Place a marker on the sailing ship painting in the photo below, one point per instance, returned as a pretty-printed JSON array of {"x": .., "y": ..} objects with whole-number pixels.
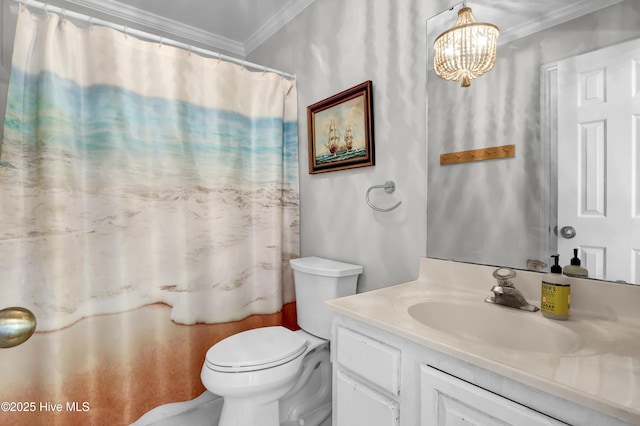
[
  {"x": 341, "y": 131},
  {"x": 341, "y": 142},
  {"x": 333, "y": 142},
  {"x": 337, "y": 148},
  {"x": 348, "y": 138}
]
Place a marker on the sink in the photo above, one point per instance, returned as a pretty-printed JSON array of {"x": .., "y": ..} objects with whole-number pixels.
[{"x": 496, "y": 326}]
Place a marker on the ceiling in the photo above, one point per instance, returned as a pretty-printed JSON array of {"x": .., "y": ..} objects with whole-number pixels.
[
  {"x": 234, "y": 27},
  {"x": 518, "y": 18},
  {"x": 237, "y": 27}
]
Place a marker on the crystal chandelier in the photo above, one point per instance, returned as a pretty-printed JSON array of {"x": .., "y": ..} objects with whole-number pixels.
[{"x": 467, "y": 50}]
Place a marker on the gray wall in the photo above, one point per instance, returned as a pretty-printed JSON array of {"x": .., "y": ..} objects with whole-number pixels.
[
  {"x": 7, "y": 33},
  {"x": 334, "y": 45}
]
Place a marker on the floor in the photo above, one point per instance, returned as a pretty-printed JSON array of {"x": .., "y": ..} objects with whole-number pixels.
[{"x": 201, "y": 411}]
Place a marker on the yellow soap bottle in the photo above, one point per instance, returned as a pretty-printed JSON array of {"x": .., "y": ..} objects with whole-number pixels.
[{"x": 556, "y": 293}]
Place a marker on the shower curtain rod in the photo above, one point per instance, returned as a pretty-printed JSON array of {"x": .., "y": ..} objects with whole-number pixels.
[{"x": 148, "y": 36}]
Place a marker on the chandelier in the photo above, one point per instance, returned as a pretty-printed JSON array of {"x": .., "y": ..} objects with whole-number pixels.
[{"x": 465, "y": 51}]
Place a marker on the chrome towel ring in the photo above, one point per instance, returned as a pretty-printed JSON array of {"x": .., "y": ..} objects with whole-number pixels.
[{"x": 389, "y": 186}]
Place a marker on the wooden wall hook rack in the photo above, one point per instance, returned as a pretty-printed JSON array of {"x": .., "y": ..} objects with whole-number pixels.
[{"x": 490, "y": 153}]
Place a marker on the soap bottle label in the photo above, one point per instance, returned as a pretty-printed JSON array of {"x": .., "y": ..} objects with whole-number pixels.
[{"x": 555, "y": 299}]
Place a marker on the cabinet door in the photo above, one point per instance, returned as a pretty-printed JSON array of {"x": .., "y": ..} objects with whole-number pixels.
[
  {"x": 357, "y": 404},
  {"x": 448, "y": 401}
]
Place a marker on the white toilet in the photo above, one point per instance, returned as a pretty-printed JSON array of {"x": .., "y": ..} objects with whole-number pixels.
[{"x": 273, "y": 376}]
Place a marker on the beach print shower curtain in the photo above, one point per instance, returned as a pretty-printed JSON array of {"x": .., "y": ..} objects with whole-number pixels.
[{"x": 134, "y": 173}]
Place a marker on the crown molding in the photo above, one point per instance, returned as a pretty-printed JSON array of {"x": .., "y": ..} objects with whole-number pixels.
[
  {"x": 214, "y": 41},
  {"x": 552, "y": 18},
  {"x": 160, "y": 23},
  {"x": 279, "y": 20}
]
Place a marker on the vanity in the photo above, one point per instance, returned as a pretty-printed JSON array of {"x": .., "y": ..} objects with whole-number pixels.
[{"x": 432, "y": 352}]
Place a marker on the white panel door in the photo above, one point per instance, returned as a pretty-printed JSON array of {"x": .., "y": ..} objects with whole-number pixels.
[
  {"x": 598, "y": 160},
  {"x": 449, "y": 401}
]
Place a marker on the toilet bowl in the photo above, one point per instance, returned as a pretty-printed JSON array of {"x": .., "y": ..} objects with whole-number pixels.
[{"x": 273, "y": 376}]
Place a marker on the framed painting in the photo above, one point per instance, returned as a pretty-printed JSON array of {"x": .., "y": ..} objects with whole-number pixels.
[{"x": 341, "y": 130}]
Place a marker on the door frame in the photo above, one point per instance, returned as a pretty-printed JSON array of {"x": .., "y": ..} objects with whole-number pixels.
[{"x": 548, "y": 162}]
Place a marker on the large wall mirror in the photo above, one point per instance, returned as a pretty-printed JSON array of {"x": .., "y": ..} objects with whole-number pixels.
[{"x": 565, "y": 90}]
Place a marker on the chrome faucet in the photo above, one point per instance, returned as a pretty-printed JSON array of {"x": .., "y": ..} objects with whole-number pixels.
[{"x": 505, "y": 293}]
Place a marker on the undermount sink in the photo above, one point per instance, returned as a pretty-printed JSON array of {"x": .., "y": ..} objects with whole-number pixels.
[{"x": 496, "y": 326}]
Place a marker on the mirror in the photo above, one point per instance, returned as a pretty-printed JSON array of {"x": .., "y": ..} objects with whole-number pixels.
[{"x": 503, "y": 211}]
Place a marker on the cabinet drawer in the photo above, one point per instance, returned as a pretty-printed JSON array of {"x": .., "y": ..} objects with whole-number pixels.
[
  {"x": 377, "y": 362},
  {"x": 357, "y": 404}
]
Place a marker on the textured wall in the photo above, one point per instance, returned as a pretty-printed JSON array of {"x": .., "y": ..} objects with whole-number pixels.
[
  {"x": 334, "y": 45},
  {"x": 7, "y": 32}
]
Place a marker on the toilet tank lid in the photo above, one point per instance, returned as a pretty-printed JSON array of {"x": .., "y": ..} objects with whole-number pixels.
[{"x": 325, "y": 267}]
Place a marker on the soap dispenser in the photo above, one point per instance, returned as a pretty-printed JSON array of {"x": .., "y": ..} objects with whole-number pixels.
[
  {"x": 574, "y": 269},
  {"x": 556, "y": 293}
]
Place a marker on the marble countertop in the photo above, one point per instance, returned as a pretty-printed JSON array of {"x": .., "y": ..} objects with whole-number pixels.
[{"x": 602, "y": 372}]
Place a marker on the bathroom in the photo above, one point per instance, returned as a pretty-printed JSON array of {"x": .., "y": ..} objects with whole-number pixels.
[{"x": 331, "y": 45}]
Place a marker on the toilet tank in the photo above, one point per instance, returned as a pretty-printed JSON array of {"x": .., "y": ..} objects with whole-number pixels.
[{"x": 316, "y": 281}]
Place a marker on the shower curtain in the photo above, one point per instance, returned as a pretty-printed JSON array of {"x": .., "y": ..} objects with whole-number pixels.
[{"x": 134, "y": 173}]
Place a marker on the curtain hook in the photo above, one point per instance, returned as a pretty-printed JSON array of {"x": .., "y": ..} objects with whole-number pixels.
[
  {"x": 190, "y": 47},
  {"x": 264, "y": 70},
  {"x": 64, "y": 15},
  {"x": 126, "y": 28},
  {"x": 219, "y": 57},
  {"x": 161, "y": 39}
]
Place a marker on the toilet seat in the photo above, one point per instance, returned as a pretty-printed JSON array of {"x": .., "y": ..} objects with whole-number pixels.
[{"x": 255, "y": 349}]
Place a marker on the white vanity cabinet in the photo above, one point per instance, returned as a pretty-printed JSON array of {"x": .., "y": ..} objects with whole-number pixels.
[
  {"x": 383, "y": 379},
  {"x": 447, "y": 401}
]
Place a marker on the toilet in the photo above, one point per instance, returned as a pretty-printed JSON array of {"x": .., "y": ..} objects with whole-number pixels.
[{"x": 273, "y": 376}]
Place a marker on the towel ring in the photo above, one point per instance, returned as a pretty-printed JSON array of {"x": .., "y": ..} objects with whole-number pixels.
[{"x": 389, "y": 186}]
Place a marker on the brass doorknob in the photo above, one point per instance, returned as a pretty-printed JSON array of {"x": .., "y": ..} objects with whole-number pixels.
[{"x": 16, "y": 326}]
